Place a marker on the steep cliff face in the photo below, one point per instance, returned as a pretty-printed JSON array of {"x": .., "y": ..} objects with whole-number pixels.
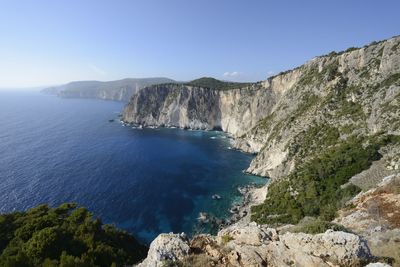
[
  {"x": 286, "y": 118},
  {"x": 351, "y": 93},
  {"x": 120, "y": 90},
  {"x": 233, "y": 111}
]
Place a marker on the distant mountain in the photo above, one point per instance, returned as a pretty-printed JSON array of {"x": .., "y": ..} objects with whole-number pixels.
[{"x": 119, "y": 90}]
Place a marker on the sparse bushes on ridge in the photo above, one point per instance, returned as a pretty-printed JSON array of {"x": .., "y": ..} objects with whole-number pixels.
[{"x": 212, "y": 83}]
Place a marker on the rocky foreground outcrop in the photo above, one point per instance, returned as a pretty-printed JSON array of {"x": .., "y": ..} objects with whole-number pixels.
[
  {"x": 166, "y": 247},
  {"x": 375, "y": 216},
  {"x": 255, "y": 245}
]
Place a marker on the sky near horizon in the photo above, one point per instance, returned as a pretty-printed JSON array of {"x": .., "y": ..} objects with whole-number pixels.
[{"x": 46, "y": 42}]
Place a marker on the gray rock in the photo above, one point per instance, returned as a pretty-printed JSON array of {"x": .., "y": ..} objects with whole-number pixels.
[
  {"x": 256, "y": 245},
  {"x": 338, "y": 248},
  {"x": 377, "y": 264},
  {"x": 166, "y": 247}
]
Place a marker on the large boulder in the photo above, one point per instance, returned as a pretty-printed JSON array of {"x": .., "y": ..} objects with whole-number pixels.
[
  {"x": 333, "y": 247},
  {"x": 172, "y": 247}
]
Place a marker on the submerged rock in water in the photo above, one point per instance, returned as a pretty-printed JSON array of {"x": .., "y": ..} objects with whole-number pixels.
[
  {"x": 235, "y": 209},
  {"x": 216, "y": 197},
  {"x": 203, "y": 217}
]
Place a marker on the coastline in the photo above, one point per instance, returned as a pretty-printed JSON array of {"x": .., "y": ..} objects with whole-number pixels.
[
  {"x": 241, "y": 213},
  {"x": 252, "y": 194}
]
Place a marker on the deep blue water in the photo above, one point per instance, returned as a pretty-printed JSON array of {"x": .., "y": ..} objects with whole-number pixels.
[{"x": 148, "y": 181}]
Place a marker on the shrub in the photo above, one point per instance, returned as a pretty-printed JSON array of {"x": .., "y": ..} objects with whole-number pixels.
[
  {"x": 226, "y": 239},
  {"x": 318, "y": 226},
  {"x": 64, "y": 236}
]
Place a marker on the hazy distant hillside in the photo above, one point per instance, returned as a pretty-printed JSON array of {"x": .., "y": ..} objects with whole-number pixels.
[{"x": 120, "y": 90}]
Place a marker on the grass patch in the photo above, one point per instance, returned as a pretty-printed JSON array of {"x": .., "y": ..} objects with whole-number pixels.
[
  {"x": 395, "y": 47},
  {"x": 328, "y": 73},
  {"x": 317, "y": 226},
  {"x": 392, "y": 79},
  {"x": 308, "y": 101},
  {"x": 196, "y": 260},
  {"x": 309, "y": 77},
  {"x": 226, "y": 238},
  {"x": 347, "y": 129},
  {"x": 339, "y": 100}
]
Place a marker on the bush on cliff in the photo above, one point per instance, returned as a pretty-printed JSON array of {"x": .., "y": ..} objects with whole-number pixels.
[
  {"x": 64, "y": 236},
  {"x": 316, "y": 226}
]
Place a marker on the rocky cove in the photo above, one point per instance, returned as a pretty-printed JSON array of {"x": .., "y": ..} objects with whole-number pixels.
[
  {"x": 251, "y": 194},
  {"x": 256, "y": 114},
  {"x": 344, "y": 104}
]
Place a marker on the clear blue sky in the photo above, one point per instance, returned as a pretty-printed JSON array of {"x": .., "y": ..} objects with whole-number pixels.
[{"x": 53, "y": 42}]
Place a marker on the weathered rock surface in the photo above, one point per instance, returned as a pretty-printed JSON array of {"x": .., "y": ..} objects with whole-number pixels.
[
  {"x": 375, "y": 215},
  {"x": 377, "y": 264},
  {"x": 234, "y": 111},
  {"x": 165, "y": 247},
  {"x": 255, "y": 245}
]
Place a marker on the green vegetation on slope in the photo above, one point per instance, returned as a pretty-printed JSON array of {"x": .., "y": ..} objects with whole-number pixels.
[
  {"x": 313, "y": 139},
  {"x": 212, "y": 83},
  {"x": 316, "y": 226},
  {"x": 316, "y": 188},
  {"x": 64, "y": 236},
  {"x": 330, "y": 148}
]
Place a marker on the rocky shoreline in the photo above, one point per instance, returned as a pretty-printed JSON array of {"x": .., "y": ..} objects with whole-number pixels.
[
  {"x": 252, "y": 195},
  {"x": 241, "y": 212}
]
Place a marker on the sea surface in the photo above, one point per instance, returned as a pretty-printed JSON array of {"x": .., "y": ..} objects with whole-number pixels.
[{"x": 147, "y": 181}]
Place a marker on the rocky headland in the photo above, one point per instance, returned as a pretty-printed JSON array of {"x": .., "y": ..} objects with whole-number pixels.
[
  {"x": 326, "y": 133},
  {"x": 119, "y": 90}
]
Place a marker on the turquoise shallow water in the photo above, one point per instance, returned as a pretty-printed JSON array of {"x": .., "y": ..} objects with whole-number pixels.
[{"x": 148, "y": 181}]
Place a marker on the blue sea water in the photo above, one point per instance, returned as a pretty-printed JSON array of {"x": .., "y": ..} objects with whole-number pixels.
[{"x": 55, "y": 150}]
